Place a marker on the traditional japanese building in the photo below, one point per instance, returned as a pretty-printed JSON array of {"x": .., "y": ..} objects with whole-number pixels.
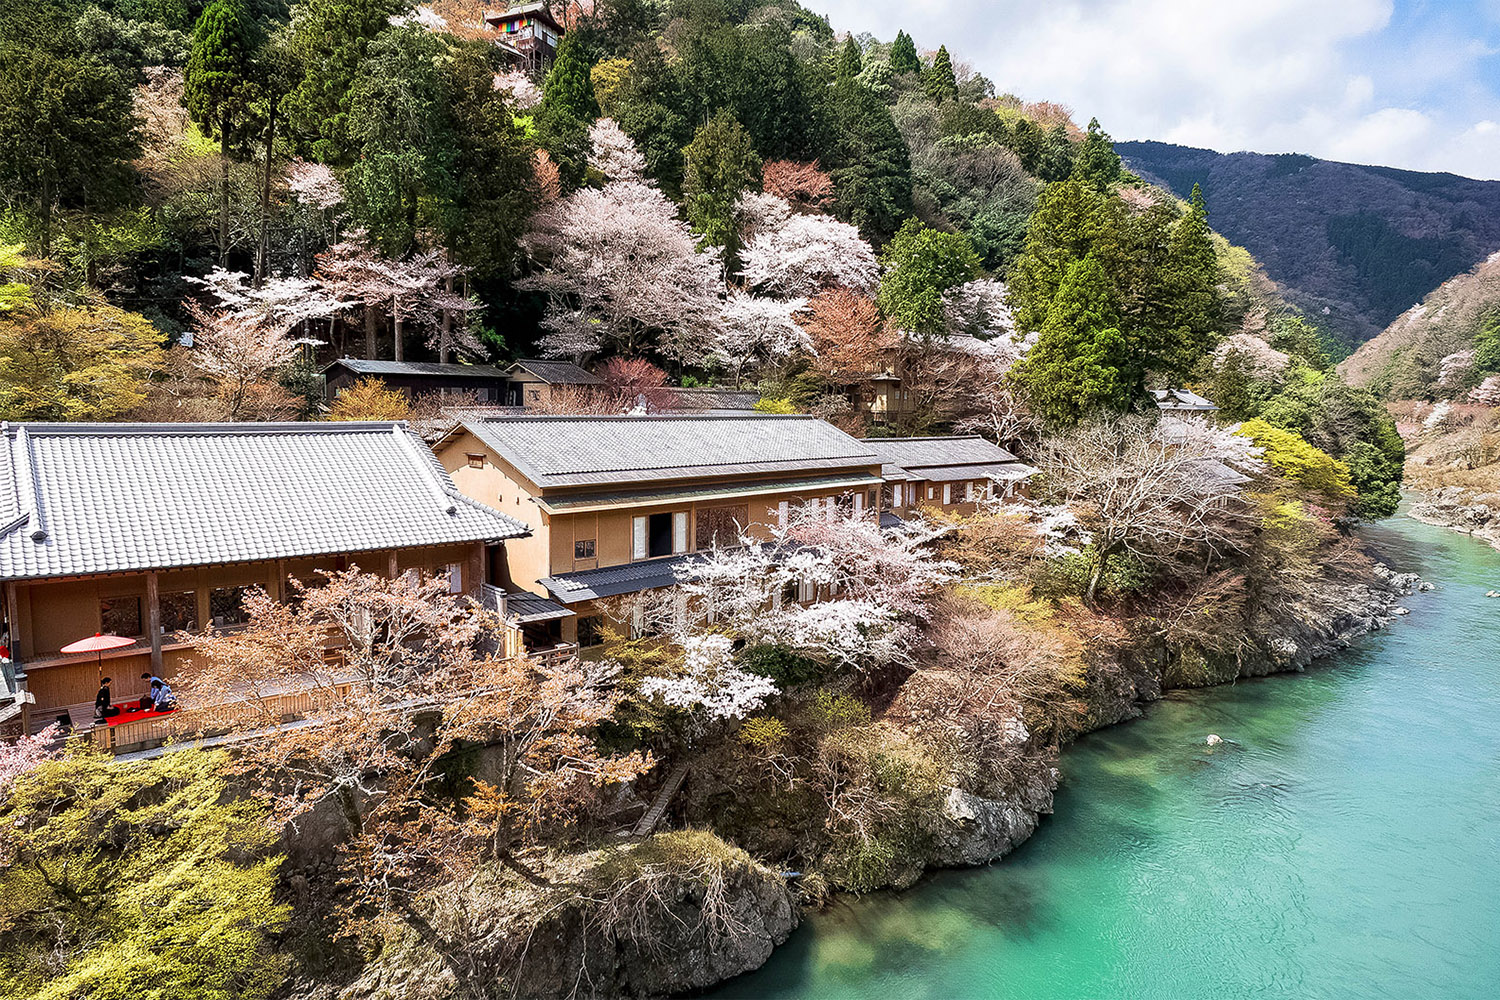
[
  {"x": 528, "y": 34},
  {"x": 454, "y": 383},
  {"x": 951, "y": 473},
  {"x": 152, "y": 532},
  {"x": 615, "y": 504}
]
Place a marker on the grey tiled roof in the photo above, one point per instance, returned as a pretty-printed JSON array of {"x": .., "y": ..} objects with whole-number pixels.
[
  {"x": 425, "y": 369},
  {"x": 1182, "y": 399},
  {"x": 564, "y": 451},
  {"x": 524, "y": 607},
  {"x": 104, "y": 498},
  {"x": 742, "y": 400},
  {"x": 735, "y": 488},
  {"x": 946, "y": 459},
  {"x": 980, "y": 470},
  {"x": 557, "y": 372},
  {"x": 611, "y": 581},
  {"x": 916, "y": 452}
]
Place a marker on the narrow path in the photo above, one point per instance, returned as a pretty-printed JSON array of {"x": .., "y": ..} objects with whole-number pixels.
[{"x": 663, "y": 799}]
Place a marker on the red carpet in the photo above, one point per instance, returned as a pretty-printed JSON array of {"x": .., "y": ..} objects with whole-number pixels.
[{"x": 124, "y": 716}]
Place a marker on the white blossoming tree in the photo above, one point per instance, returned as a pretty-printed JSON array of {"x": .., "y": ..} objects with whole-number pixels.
[
  {"x": 800, "y": 255},
  {"x": 621, "y": 271},
  {"x": 710, "y": 681},
  {"x": 758, "y": 331},
  {"x": 613, "y": 154}
]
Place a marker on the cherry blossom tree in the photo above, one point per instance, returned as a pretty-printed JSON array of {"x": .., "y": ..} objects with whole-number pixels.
[
  {"x": 1261, "y": 360},
  {"x": 613, "y": 154},
  {"x": 709, "y": 680},
  {"x": 758, "y": 331},
  {"x": 26, "y": 753},
  {"x": 314, "y": 185},
  {"x": 621, "y": 271},
  {"x": 805, "y": 254},
  {"x": 237, "y": 353},
  {"x": 1486, "y": 393},
  {"x": 521, "y": 89}
]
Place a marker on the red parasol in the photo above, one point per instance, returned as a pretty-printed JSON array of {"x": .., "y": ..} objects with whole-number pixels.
[{"x": 98, "y": 643}]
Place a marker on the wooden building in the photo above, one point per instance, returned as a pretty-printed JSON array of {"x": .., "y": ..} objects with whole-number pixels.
[
  {"x": 952, "y": 473},
  {"x": 614, "y": 504},
  {"x": 154, "y": 531},
  {"x": 531, "y": 382},
  {"x": 528, "y": 34},
  {"x": 455, "y": 383}
]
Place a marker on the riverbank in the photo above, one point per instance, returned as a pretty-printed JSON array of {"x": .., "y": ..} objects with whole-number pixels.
[{"x": 1337, "y": 844}]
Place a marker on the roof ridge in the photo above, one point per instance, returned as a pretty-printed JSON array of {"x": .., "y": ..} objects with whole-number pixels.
[
  {"x": 195, "y": 429},
  {"x": 635, "y": 418}
]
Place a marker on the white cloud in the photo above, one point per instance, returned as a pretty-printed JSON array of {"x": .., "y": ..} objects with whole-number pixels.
[{"x": 1324, "y": 77}]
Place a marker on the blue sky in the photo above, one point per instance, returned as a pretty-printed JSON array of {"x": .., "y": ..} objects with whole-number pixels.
[{"x": 1408, "y": 84}]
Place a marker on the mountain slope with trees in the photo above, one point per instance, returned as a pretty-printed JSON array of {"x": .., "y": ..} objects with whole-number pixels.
[{"x": 1352, "y": 246}]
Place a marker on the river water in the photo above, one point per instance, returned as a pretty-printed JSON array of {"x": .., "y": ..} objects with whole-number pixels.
[{"x": 1343, "y": 841}]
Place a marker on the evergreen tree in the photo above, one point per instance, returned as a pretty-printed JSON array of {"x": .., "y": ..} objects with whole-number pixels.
[
  {"x": 67, "y": 128},
  {"x": 719, "y": 165},
  {"x": 942, "y": 85},
  {"x": 904, "y": 55},
  {"x": 398, "y": 115},
  {"x": 1081, "y": 361},
  {"x": 1071, "y": 220},
  {"x": 1190, "y": 282},
  {"x": 851, "y": 60},
  {"x": 218, "y": 86},
  {"x": 331, "y": 38},
  {"x": 567, "y": 110},
  {"x": 869, "y": 162},
  {"x": 921, "y": 264},
  {"x": 492, "y": 171},
  {"x": 1096, "y": 161}
]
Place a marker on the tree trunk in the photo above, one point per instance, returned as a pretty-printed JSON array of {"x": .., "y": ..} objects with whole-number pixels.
[
  {"x": 1096, "y": 574},
  {"x": 396, "y": 327},
  {"x": 447, "y": 325},
  {"x": 265, "y": 200},
  {"x": 224, "y": 190},
  {"x": 371, "y": 349}
]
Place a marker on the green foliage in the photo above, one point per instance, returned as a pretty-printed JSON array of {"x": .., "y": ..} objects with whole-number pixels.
[
  {"x": 719, "y": 165},
  {"x": 67, "y": 125},
  {"x": 1294, "y": 335},
  {"x": 904, "y": 54},
  {"x": 1096, "y": 162},
  {"x": 920, "y": 264},
  {"x": 763, "y": 734},
  {"x": 939, "y": 79},
  {"x": 331, "y": 38},
  {"x": 780, "y": 664},
  {"x": 1147, "y": 306},
  {"x": 130, "y": 45},
  {"x": 568, "y": 85},
  {"x": 1313, "y": 469},
  {"x": 1081, "y": 362},
  {"x": 829, "y": 712},
  {"x": 868, "y": 161},
  {"x": 218, "y": 84},
  {"x": 851, "y": 60},
  {"x": 1068, "y": 575},
  {"x": 142, "y": 880}
]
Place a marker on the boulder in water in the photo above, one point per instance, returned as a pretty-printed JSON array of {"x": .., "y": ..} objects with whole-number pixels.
[{"x": 1214, "y": 739}]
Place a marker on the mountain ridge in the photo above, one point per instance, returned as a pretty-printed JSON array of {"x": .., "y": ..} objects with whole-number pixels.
[{"x": 1352, "y": 245}]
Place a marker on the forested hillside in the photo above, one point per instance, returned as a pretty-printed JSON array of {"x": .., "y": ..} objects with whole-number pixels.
[{"x": 1353, "y": 246}]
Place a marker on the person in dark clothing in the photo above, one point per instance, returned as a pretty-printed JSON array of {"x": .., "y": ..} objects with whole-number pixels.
[
  {"x": 148, "y": 700},
  {"x": 162, "y": 697},
  {"x": 102, "y": 707}
]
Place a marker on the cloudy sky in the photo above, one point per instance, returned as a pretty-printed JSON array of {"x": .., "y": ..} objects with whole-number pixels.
[{"x": 1409, "y": 83}]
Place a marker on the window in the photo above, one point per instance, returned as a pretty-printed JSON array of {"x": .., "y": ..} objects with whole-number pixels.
[
  {"x": 120, "y": 616},
  {"x": 722, "y": 525},
  {"x": 969, "y": 491},
  {"x": 947, "y": 493},
  {"x": 590, "y": 631},
  {"x": 179, "y": 611},
  {"x": 533, "y": 395},
  {"x": 475, "y": 461},
  {"x": 583, "y": 548},
  {"x": 859, "y": 504},
  {"x": 844, "y": 503},
  {"x": 454, "y": 572},
  {"x": 226, "y": 606},
  {"x": 783, "y": 512},
  {"x": 929, "y": 492},
  {"x": 655, "y": 535},
  {"x": 872, "y": 499}
]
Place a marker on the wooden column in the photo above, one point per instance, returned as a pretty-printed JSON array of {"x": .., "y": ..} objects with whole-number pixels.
[
  {"x": 395, "y": 564},
  {"x": 278, "y": 592},
  {"x": 476, "y": 570},
  {"x": 153, "y": 620}
]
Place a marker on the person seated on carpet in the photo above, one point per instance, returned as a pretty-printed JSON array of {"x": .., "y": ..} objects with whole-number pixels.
[
  {"x": 102, "y": 707},
  {"x": 162, "y": 697},
  {"x": 148, "y": 700}
]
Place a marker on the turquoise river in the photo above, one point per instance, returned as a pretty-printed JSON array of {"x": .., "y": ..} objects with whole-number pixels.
[{"x": 1343, "y": 841}]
